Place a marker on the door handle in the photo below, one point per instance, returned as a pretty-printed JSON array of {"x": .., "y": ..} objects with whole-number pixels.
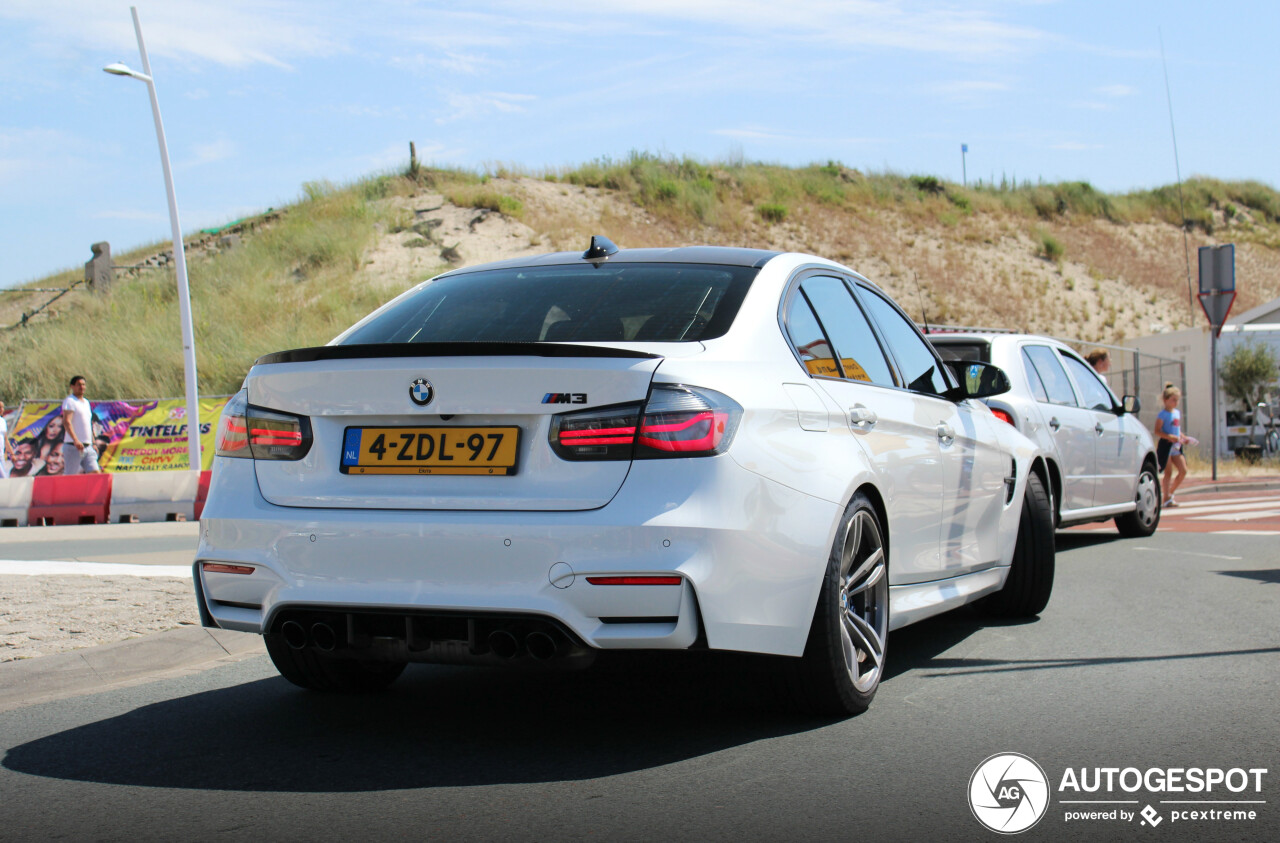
[
  {"x": 1055, "y": 424},
  {"x": 945, "y": 434},
  {"x": 1097, "y": 428},
  {"x": 862, "y": 419}
]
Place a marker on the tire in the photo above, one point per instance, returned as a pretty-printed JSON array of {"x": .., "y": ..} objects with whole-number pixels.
[
  {"x": 843, "y": 659},
  {"x": 311, "y": 669},
  {"x": 1030, "y": 582},
  {"x": 1143, "y": 521}
]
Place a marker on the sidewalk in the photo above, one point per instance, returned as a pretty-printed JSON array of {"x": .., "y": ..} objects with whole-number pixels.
[
  {"x": 161, "y": 655},
  {"x": 1194, "y": 485}
]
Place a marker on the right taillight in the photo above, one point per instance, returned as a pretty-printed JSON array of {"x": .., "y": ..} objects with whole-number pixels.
[
  {"x": 676, "y": 421},
  {"x": 1003, "y": 416},
  {"x": 251, "y": 432}
]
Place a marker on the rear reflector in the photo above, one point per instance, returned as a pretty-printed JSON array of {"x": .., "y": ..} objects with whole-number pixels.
[
  {"x": 220, "y": 568},
  {"x": 635, "y": 580}
]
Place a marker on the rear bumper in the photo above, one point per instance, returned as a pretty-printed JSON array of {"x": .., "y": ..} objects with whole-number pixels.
[{"x": 750, "y": 554}]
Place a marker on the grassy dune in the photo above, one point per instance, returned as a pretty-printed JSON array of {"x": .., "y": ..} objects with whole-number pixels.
[{"x": 298, "y": 281}]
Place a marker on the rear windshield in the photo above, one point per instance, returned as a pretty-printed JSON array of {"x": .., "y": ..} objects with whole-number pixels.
[
  {"x": 966, "y": 351},
  {"x": 627, "y": 302}
]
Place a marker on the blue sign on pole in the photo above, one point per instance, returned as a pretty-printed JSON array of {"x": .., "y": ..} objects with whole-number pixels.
[{"x": 964, "y": 147}]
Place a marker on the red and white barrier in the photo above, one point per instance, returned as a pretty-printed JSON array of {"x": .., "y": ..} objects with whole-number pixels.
[
  {"x": 74, "y": 499},
  {"x": 203, "y": 492},
  {"x": 154, "y": 495},
  {"x": 15, "y": 501},
  {"x": 99, "y": 498}
]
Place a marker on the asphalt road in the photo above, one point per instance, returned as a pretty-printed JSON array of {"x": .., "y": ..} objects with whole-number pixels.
[{"x": 1154, "y": 653}]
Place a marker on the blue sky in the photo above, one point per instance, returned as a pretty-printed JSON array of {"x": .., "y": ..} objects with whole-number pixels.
[{"x": 259, "y": 96}]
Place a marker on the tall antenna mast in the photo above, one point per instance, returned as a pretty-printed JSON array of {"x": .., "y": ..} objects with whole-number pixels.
[{"x": 1177, "y": 168}]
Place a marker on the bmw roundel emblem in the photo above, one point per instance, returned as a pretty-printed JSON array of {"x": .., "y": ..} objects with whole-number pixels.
[{"x": 421, "y": 392}]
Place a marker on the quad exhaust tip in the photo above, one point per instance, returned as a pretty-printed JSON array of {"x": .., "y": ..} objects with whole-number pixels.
[
  {"x": 323, "y": 636},
  {"x": 504, "y": 644},
  {"x": 294, "y": 635}
]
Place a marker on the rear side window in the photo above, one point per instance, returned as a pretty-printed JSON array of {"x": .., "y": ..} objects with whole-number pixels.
[
  {"x": 1045, "y": 362},
  {"x": 625, "y": 302},
  {"x": 1033, "y": 378},
  {"x": 966, "y": 351},
  {"x": 807, "y": 336},
  {"x": 856, "y": 346}
]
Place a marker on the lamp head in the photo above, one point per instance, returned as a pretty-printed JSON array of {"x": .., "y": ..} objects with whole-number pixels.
[{"x": 122, "y": 69}]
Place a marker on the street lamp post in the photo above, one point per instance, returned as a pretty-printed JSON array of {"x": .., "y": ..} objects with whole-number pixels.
[{"x": 179, "y": 255}]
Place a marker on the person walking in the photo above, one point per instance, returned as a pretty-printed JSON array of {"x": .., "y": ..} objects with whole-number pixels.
[
  {"x": 77, "y": 417},
  {"x": 7, "y": 459},
  {"x": 1169, "y": 449}
]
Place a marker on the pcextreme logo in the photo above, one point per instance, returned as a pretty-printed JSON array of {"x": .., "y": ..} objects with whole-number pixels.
[{"x": 1009, "y": 793}]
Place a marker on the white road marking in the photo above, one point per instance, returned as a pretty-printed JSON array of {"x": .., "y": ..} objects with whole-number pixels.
[
  {"x": 1247, "y": 532},
  {"x": 1184, "y": 509},
  {"x": 1188, "y": 553},
  {"x": 1238, "y": 516},
  {"x": 93, "y": 569}
]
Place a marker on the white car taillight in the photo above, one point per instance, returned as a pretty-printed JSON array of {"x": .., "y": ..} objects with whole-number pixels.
[
  {"x": 676, "y": 421},
  {"x": 250, "y": 432}
]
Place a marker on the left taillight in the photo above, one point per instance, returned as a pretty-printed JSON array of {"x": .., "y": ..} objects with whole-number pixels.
[
  {"x": 675, "y": 421},
  {"x": 1003, "y": 415},
  {"x": 251, "y": 432}
]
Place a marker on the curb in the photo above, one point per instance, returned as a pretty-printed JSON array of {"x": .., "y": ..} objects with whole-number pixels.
[
  {"x": 174, "y": 652},
  {"x": 1207, "y": 486}
]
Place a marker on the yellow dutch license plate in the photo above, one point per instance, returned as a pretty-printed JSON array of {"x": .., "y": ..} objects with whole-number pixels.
[{"x": 430, "y": 450}]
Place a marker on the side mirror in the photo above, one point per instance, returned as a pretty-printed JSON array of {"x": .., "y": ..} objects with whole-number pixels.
[
  {"x": 1131, "y": 404},
  {"x": 978, "y": 380}
]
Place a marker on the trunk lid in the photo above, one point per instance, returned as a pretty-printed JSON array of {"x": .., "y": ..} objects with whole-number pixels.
[{"x": 494, "y": 389}]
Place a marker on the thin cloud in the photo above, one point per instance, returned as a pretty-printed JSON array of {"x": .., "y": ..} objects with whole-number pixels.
[
  {"x": 465, "y": 64},
  {"x": 1116, "y": 90},
  {"x": 756, "y": 133},
  {"x": 923, "y": 27},
  {"x": 470, "y": 106},
  {"x": 1075, "y": 146},
  {"x": 129, "y": 214},
  {"x": 209, "y": 153},
  {"x": 231, "y": 33}
]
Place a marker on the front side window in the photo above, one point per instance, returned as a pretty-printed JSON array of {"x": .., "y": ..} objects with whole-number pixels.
[
  {"x": 1096, "y": 396},
  {"x": 920, "y": 368},
  {"x": 856, "y": 346},
  {"x": 1045, "y": 361},
  {"x": 624, "y": 302}
]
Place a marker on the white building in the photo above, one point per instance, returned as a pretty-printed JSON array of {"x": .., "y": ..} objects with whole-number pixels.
[{"x": 1191, "y": 346}]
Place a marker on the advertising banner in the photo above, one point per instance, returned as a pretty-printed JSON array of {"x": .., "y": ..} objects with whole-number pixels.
[{"x": 129, "y": 435}]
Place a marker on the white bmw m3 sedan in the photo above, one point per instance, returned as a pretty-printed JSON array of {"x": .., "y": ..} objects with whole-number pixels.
[{"x": 648, "y": 449}]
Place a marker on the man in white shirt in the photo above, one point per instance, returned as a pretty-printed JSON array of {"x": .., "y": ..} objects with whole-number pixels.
[
  {"x": 8, "y": 449},
  {"x": 77, "y": 419}
]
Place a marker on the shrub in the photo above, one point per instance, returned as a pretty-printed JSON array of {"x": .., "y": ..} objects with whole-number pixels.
[
  {"x": 772, "y": 212},
  {"x": 927, "y": 184},
  {"x": 1048, "y": 246}
]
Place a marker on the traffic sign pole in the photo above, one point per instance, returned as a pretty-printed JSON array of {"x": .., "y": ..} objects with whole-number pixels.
[{"x": 1217, "y": 294}]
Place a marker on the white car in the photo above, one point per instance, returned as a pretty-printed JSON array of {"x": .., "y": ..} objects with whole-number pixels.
[
  {"x": 654, "y": 449},
  {"x": 1101, "y": 458}
]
